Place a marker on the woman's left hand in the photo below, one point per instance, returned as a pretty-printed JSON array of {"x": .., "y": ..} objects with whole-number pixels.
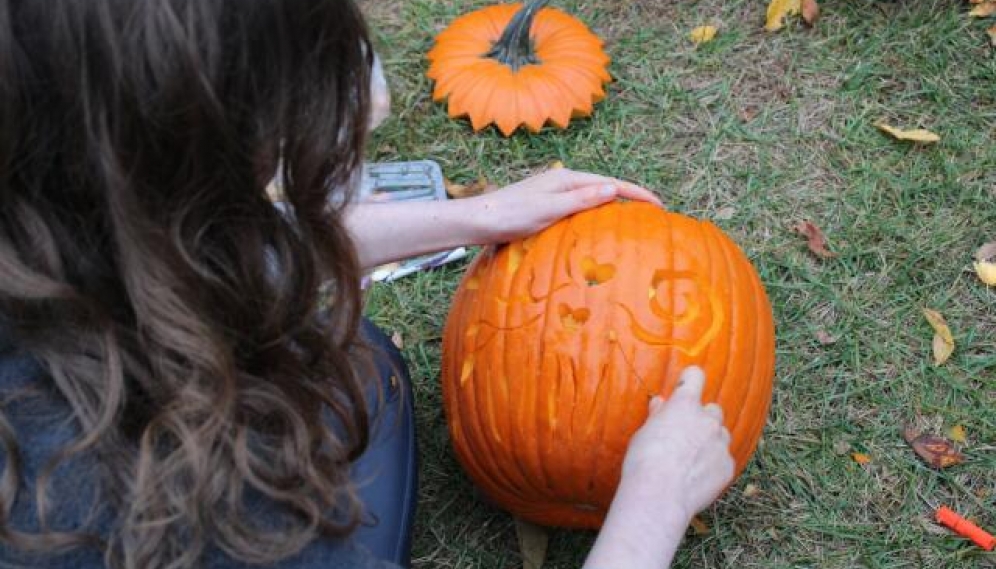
[{"x": 526, "y": 207}]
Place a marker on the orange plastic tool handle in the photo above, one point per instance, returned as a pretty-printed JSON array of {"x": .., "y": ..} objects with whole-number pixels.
[{"x": 965, "y": 528}]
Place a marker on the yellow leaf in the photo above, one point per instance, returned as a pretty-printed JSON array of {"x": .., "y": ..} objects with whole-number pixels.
[
  {"x": 915, "y": 135},
  {"x": 702, "y": 34},
  {"x": 957, "y": 434},
  {"x": 986, "y": 271},
  {"x": 984, "y": 10},
  {"x": 555, "y": 165},
  {"x": 778, "y": 10},
  {"x": 533, "y": 540},
  {"x": 751, "y": 490},
  {"x": 861, "y": 458},
  {"x": 943, "y": 344},
  {"x": 985, "y": 257}
]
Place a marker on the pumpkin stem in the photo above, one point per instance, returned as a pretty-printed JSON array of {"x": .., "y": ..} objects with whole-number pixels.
[{"x": 515, "y": 48}]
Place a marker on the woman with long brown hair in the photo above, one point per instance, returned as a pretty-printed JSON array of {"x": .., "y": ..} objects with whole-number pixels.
[{"x": 185, "y": 377}]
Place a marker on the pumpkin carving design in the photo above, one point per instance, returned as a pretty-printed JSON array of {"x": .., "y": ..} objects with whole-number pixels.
[
  {"x": 514, "y": 64},
  {"x": 554, "y": 345}
]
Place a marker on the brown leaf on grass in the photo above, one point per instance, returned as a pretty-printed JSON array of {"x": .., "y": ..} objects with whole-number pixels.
[
  {"x": 935, "y": 451},
  {"x": 725, "y": 213},
  {"x": 957, "y": 434},
  {"x": 533, "y": 540},
  {"x": 397, "y": 340},
  {"x": 992, "y": 35},
  {"x": 810, "y": 11},
  {"x": 915, "y": 135},
  {"x": 751, "y": 491},
  {"x": 481, "y": 186},
  {"x": 778, "y": 10},
  {"x": 943, "y": 343},
  {"x": 817, "y": 241},
  {"x": 984, "y": 10},
  {"x": 985, "y": 259},
  {"x": 824, "y": 338},
  {"x": 860, "y": 457},
  {"x": 699, "y": 526}
]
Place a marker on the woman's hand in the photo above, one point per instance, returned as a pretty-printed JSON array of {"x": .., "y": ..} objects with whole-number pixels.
[
  {"x": 677, "y": 464},
  {"x": 526, "y": 207},
  {"x": 684, "y": 443},
  {"x": 385, "y": 232}
]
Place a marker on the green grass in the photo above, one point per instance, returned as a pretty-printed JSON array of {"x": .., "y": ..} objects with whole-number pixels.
[{"x": 778, "y": 127}]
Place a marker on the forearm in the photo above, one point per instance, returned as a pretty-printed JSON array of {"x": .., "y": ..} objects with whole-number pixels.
[
  {"x": 386, "y": 232},
  {"x": 637, "y": 533}
]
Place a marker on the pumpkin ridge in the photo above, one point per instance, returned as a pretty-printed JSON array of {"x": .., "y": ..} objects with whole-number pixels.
[{"x": 717, "y": 251}]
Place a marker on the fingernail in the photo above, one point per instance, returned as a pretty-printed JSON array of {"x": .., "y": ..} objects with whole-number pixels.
[{"x": 606, "y": 191}]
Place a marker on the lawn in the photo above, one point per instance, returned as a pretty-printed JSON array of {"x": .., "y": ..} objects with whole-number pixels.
[{"x": 757, "y": 131}]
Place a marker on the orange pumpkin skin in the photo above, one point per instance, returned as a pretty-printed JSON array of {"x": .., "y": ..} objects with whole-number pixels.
[
  {"x": 554, "y": 345},
  {"x": 565, "y": 81}
]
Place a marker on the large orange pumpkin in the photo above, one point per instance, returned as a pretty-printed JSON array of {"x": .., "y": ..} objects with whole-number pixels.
[
  {"x": 554, "y": 345},
  {"x": 514, "y": 64}
]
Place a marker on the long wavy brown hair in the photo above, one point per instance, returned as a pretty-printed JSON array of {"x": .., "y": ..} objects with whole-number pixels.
[{"x": 177, "y": 312}]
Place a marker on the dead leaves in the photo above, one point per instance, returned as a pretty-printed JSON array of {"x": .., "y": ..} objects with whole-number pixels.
[
  {"x": 533, "y": 541},
  {"x": 476, "y": 188},
  {"x": 983, "y": 9},
  {"x": 916, "y": 135},
  {"x": 702, "y": 34},
  {"x": 779, "y": 10},
  {"x": 985, "y": 263},
  {"x": 816, "y": 241},
  {"x": 992, "y": 35},
  {"x": 861, "y": 458},
  {"x": 935, "y": 451},
  {"x": 943, "y": 344}
]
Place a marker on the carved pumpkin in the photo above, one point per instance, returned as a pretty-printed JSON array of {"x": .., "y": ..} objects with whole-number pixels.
[
  {"x": 555, "y": 344},
  {"x": 497, "y": 65}
]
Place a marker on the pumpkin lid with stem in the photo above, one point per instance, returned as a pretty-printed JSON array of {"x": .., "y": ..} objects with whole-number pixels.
[{"x": 513, "y": 65}]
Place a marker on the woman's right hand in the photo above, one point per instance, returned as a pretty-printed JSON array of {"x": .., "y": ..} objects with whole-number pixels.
[
  {"x": 676, "y": 465},
  {"x": 684, "y": 443}
]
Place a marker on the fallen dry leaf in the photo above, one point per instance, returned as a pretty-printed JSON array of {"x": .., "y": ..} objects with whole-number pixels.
[
  {"x": 860, "y": 457},
  {"x": 935, "y": 451},
  {"x": 481, "y": 186},
  {"x": 702, "y": 34},
  {"x": 725, "y": 213},
  {"x": 699, "y": 526},
  {"x": 817, "y": 241},
  {"x": 824, "y": 338},
  {"x": 985, "y": 261},
  {"x": 984, "y": 10},
  {"x": 915, "y": 135},
  {"x": 397, "y": 340},
  {"x": 778, "y": 10},
  {"x": 992, "y": 35},
  {"x": 751, "y": 490},
  {"x": 556, "y": 164},
  {"x": 810, "y": 11},
  {"x": 957, "y": 434},
  {"x": 533, "y": 540},
  {"x": 943, "y": 344}
]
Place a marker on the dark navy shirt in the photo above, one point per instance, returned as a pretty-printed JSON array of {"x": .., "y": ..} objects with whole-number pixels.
[{"x": 42, "y": 423}]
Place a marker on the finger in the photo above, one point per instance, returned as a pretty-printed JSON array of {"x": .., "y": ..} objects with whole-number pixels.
[
  {"x": 690, "y": 385},
  {"x": 656, "y": 404},
  {"x": 724, "y": 435},
  {"x": 634, "y": 192},
  {"x": 714, "y": 411},
  {"x": 582, "y": 198},
  {"x": 566, "y": 180}
]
